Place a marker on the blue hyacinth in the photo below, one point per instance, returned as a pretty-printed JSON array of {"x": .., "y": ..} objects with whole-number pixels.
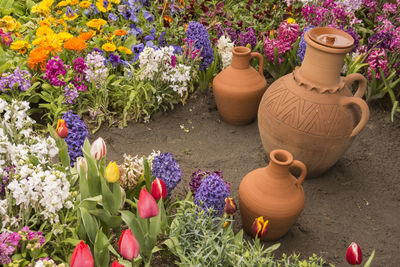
[
  {"x": 77, "y": 133},
  {"x": 165, "y": 167},
  {"x": 199, "y": 35},
  {"x": 211, "y": 194},
  {"x": 302, "y": 45}
]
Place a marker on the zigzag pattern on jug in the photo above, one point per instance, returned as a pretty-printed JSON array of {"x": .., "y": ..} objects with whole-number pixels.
[{"x": 294, "y": 111}]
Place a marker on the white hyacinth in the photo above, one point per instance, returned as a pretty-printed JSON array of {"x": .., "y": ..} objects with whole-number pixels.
[{"x": 225, "y": 46}]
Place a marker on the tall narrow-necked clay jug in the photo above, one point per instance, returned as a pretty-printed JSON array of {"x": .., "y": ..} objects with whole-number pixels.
[
  {"x": 274, "y": 193},
  {"x": 311, "y": 112},
  {"x": 238, "y": 88}
]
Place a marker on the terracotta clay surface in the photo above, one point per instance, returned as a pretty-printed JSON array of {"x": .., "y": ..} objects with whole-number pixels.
[
  {"x": 312, "y": 112},
  {"x": 238, "y": 88},
  {"x": 274, "y": 193}
]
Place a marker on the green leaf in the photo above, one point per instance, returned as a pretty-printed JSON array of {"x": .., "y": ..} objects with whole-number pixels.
[
  {"x": 110, "y": 220},
  {"x": 368, "y": 263},
  {"x": 147, "y": 174},
  {"x": 71, "y": 241},
  {"x": 394, "y": 109},
  {"x": 90, "y": 224},
  {"x": 108, "y": 199},
  {"x": 101, "y": 252}
]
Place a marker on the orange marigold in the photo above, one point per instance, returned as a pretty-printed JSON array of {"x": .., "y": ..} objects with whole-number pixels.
[
  {"x": 85, "y": 35},
  {"x": 38, "y": 58},
  {"x": 120, "y": 32},
  {"x": 75, "y": 43}
]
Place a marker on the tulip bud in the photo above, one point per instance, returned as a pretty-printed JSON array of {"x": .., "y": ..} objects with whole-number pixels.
[
  {"x": 259, "y": 227},
  {"x": 112, "y": 172},
  {"x": 354, "y": 255},
  {"x": 62, "y": 129},
  {"x": 82, "y": 256},
  {"x": 158, "y": 189},
  {"x": 230, "y": 206},
  {"x": 81, "y": 164},
  {"x": 147, "y": 206},
  {"x": 128, "y": 245},
  {"x": 117, "y": 264},
  {"x": 98, "y": 149}
]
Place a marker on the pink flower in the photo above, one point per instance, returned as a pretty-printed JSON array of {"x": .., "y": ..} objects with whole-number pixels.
[
  {"x": 377, "y": 60},
  {"x": 147, "y": 206},
  {"x": 128, "y": 245},
  {"x": 82, "y": 256},
  {"x": 354, "y": 255},
  {"x": 173, "y": 61}
]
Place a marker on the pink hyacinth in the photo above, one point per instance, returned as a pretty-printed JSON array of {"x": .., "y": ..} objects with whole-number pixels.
[
  {"x": 288, "y": 32},
  {"x": 377, "y": 60}
]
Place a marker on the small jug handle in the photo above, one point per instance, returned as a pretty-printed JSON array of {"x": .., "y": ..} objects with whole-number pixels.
[
  {"x": 303, "y": 169},
  {"x": 347, "y": 101},
  {"x": 362, "y": 83},
  {"x": 261, "y": 61}
]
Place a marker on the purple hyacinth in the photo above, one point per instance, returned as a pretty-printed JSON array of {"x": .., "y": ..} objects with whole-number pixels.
[
  {"x": 55, "y": 71},
  {"x": 302, "y": 45},
  {"x": 77, "y": 133},
  {"x": 199, "y": 34},
  {"x": 356, "y": 39},
  {"x": 165, "y": 167},
  {"x": 199, "y": 175},
  {"x": 211, "y": 194},
  {"x": 381, "y": 40},
  {"x": 19, "y": 79},
  {"x": 248, "y": 37}
]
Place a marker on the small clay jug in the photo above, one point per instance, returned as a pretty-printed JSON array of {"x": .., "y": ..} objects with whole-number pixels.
[
  {"x": 312, "y": 112},
  {"x": 239, "y": 87},
  {"x": 274, "y": 193}
]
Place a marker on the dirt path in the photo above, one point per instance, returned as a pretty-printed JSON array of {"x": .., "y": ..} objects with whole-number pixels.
[{"x": 356, "y": 200}]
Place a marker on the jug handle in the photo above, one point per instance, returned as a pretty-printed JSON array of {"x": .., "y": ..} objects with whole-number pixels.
[
  {"x": 303, "y": 169},
  {"x": 362, "y": 83},
  {"x": 347, "y": 101},
  {"x": 261, "y": 62}
]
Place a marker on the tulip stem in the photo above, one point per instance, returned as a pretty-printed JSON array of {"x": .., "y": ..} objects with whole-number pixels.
[{"x": 130, "y": 202}]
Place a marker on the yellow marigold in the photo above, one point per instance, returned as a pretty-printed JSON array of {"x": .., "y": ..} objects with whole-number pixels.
[
  {"x": 96, "y": 23},
  {"x": 124, "y": 50},
  {"x": 100, "y": 6},
  {"x": 43, "y": 31},
  {"x": 59, "y": 12},
  {"x": 66, "y": 17},
  {"x": 76, "y": 44},
  {"x": 120, "y": 32},
  {"x": 115, "y": 1},
  {"x": 109, "y": 47},
  {"x": 73, "y": 2},
  {"x": 62, "y": 4},
  {"x": 85, "y": 4},
  {"x": 64, "y": 36},
  {"x": 19, "y": 44},
  {"x": 51, "y": 43},
  {"x": 9, "y": 24},
  {"x": 42, "y": 8},
  {"x": 45, "y": 23},
  {"x": 38, "y": 58},
  {"x": 291, "y": 20},
  {"x": 85, "y": 35}
]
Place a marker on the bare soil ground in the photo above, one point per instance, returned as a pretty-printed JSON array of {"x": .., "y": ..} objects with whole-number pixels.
[{"x": 358, "y": 199}]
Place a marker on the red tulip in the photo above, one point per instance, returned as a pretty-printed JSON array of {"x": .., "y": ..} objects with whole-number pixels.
[
  {"x": 354, "y": 255},
  {"x": 230, "y": 206},
  {"x": 259, "y": 227},
  {"x": 147, "y": 205},
  {"x": 128, "y": 245},
  {"x": 98, "y": 149},
  {"x": 158, "y": 189},
  {"x": 82, "y": 256},
  {"x": 117, "y": 264},
  {"x": 62, "y": 129}
]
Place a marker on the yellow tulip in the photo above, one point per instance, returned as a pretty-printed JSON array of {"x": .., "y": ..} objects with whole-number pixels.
[{"x": 112, "y": 172}]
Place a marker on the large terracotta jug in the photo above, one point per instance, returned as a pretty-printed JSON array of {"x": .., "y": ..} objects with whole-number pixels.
[
  {"x": 238, "y": 88},
  {"x": 311, "y": 112},
  {"x": 274, "y": 193}
]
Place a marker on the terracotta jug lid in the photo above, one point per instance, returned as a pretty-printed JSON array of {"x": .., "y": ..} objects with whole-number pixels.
[{"x": 331, "y": 37}]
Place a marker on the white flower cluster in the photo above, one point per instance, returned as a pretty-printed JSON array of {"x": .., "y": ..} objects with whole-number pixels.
[
  {"x": 25, "y": 160},
  {"x": 225, "y": 46},
  {"x": 158, "y": 64},
  {"x": 132, "y": 168}
]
